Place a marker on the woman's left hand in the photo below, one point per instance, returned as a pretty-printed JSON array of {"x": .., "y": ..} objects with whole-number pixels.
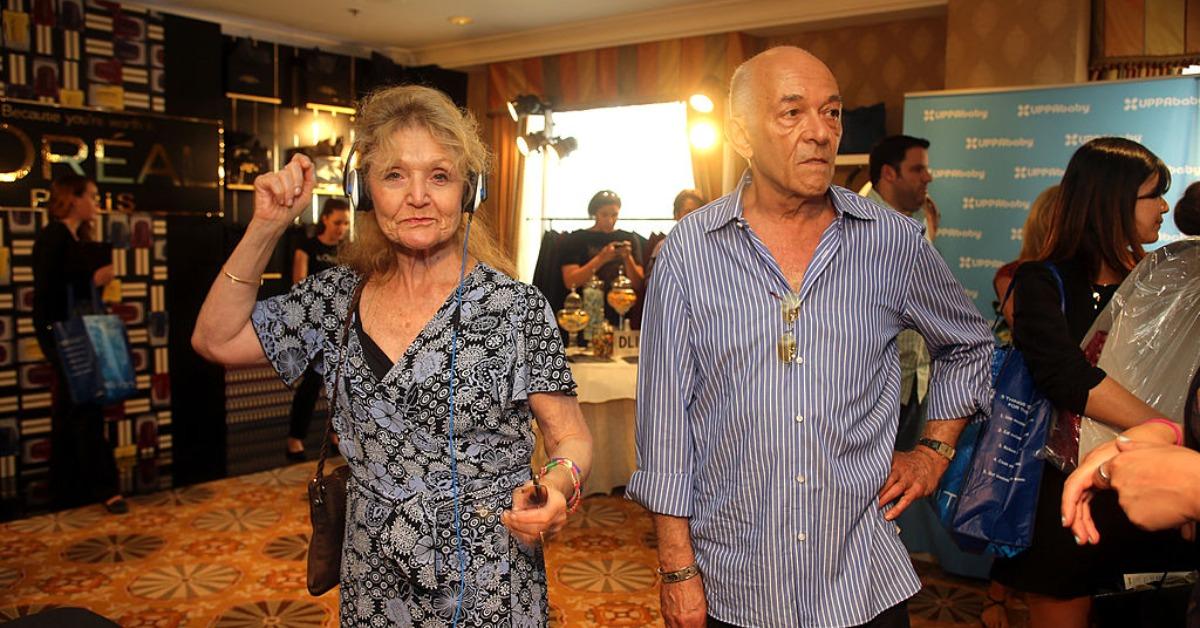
[
  {"x": 528, "y": 520},
  {"x": 1078, "y": 490}
]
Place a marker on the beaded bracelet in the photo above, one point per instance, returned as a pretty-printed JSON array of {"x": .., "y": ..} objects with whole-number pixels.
[
  {"x": 577, "y": 496},
  {"x": 1171, "y": 424}
]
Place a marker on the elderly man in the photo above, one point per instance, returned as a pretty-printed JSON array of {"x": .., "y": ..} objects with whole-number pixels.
[{"x": 769, "y": 379}]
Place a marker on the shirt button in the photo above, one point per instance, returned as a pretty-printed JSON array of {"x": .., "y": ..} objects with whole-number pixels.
[
  {"x": 802, "y": 537},
  {"x": 800, "y": 479},
  {"x": 799, "y": 418}
]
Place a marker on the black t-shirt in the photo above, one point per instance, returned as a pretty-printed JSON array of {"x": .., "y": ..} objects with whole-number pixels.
[
  {"x": 62, "y": 265},
  {"x": 581, "y": 246},
  {"x": 321, "y": 256}
]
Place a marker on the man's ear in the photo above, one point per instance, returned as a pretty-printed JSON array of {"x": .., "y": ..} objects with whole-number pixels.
[
  {"x": 739, "y": 137},
  {"x": 888, "y": 173}
]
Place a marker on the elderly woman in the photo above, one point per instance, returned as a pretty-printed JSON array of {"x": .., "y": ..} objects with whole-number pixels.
[{"x": 445, "y": 363}]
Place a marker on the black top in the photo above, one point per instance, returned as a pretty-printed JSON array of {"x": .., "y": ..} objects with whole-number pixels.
[
  {"x": 61, "y": 264},
  {"x": 581, "y": 246},
  {"x": 321, "y": 256},
  {"x": 1048, "y": 339},
  {"x": 376, "y": 358}
]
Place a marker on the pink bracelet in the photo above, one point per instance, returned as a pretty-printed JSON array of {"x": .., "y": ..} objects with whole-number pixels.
[{"x": 1171, "y": 424}]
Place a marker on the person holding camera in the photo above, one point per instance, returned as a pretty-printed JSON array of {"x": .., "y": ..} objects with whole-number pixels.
[{"x": 602, "y": 249}]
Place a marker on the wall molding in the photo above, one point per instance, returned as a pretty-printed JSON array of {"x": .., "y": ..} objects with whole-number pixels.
[{"x": 704, "y": 18}]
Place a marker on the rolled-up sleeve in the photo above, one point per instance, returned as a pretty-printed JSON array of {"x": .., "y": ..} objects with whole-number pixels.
[
  {"x": 960, "y": 343},
  {"x": 294, "y": 327},
  {"x": 665, "y": 454}
]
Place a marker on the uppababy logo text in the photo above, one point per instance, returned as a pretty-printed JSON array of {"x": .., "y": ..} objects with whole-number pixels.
[
  {"x": 975, "y": 262},
  {"x": 978, "y": 143},
  {"x": 1188, "y": 170},
  {"x": 1135, "y": 104},
  {"x": 955, "y": 173},
  {"x": 970, "y": 202},
  {"x": 1024, "y": 111},
  {"x": 1024, "y": 172},
  {"x": 1078, "y": 139},
  {"x": 932, "y": 115},
  {"x": 949, "y": 232}
]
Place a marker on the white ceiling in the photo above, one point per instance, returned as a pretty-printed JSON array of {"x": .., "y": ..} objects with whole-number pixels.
[{"x": 419, "y": 31}]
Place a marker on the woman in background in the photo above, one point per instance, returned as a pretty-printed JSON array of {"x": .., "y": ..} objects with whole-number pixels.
[
  {"x": 68, "y": 266},
  {"x": 1033, "y": 233},
  {"x": 317, "y": 254}
]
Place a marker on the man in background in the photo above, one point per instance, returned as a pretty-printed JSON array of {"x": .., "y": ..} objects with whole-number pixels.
[{"x": 900, "y": 178}]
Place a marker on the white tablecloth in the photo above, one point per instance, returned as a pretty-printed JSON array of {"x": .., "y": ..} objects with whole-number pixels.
[{"x": 606, "y": 397}]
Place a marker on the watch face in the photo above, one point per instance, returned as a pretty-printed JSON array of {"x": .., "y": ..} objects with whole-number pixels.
[{"x": 938, "y": 446}]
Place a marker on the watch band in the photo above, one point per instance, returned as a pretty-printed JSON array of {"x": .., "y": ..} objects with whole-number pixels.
[
  {"x": 942, "y": 449},
  {"x": 687, "y": 573}
]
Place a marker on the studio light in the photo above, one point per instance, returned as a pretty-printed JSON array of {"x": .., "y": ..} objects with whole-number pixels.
[
  {"x": 532, "y": 142},
  {"x": 703, "y": 135},
  {"x": 563, "y": 146},
  {"x": 526, "y": 105},
  {"x": 701, "y": 102}
]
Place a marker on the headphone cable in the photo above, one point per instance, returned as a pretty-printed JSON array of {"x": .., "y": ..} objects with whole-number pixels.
[{"x": 462, "y": 559}]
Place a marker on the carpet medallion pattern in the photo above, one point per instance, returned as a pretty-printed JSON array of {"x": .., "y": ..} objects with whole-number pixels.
[{"x": 230, "y": 554}]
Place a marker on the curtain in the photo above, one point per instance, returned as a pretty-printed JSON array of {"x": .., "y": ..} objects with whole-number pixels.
[
  {"x": 505, "y": 195},
  {"x": 659, "y": 71},
  {"x": 652, "y": 72},
  {"x": 1143, "y": 38},
  {"x": 1140, "y": 68},
  {"x": 708, "y": 165}
]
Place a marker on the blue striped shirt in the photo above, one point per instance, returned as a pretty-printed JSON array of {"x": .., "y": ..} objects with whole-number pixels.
[{"x": 778, "y": 466}]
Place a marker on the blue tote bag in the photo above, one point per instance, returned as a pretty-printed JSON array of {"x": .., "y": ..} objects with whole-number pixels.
[
  {"x": 94, "y": 351},
  {"x": 988, "y": 496}
]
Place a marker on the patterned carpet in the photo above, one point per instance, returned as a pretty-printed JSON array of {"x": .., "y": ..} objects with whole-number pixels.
[{"x": 229, "y": 554}]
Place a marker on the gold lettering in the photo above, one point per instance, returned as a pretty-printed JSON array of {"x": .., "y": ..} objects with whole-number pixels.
[
  {"x": 103, "y": 159},
  {"x": 37, "y": 196},
  {"x": 126, "y": 202},
  {"x": 165, "y": 170},
  {"x": 26, "y": 160},
  {"x": 49, "y": 158}
]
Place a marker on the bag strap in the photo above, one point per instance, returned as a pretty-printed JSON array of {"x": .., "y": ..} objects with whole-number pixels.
[
  {"x": 333, "y": 394},
  {"x": 98, "y": 306},
  {"x": 1000, "y": 312},
  {"x": 1062, "y": 291}
]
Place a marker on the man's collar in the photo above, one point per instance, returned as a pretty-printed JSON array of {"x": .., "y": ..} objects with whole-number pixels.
[{"x": 844, "y": 202}]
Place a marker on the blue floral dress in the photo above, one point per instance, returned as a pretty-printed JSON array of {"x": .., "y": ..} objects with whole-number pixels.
[{"x": 400, "y": 563}]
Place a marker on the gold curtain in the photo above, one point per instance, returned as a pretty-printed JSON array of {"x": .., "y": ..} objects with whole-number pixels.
[
  {"x": 509, "y": 172},
  {"x": 1143, "y": 38},
  {"x": 708, "y": 164}
]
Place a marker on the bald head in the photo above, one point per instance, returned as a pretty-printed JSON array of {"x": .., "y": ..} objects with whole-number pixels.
[
  {"x": 765, "y": 65},
  {"x": 786, "y": 121}
]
